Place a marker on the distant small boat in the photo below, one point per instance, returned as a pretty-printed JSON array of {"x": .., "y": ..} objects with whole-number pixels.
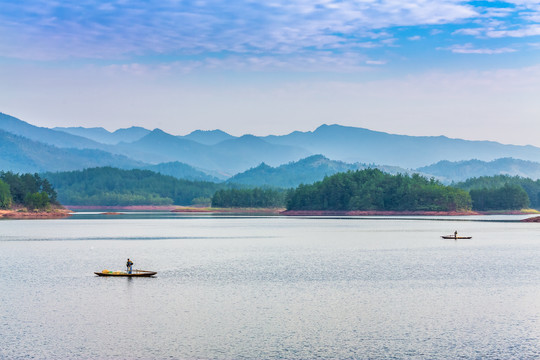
[
  {"x": 135, "y": 273},
  {"x": 453, "y": 237}
]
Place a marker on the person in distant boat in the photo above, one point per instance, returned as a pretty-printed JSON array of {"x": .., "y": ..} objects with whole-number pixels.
[
  {"x": 455, "y": 234},
  {"x": 129, "y": 265}
]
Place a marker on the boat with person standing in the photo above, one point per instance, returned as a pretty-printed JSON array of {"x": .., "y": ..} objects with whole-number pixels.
[
  {"x": 455, "y": 236},
  {"x": 134, "y": 273}
]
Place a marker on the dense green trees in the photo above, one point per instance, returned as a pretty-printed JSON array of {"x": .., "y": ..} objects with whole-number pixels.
[
  {"x": 37, "y": 200},
  {"x": 5, "y": 196},
  {"x": 254, "y": 198},
  {"x": 531, "y": 187},
  {"x": 507, "y": 197},
  {"x": 27, "y": 190},
  {"x": 109, "y": 186},
  {"x": 371, "y": 189}
]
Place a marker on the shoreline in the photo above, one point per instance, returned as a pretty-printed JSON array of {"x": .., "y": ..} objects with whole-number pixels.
[
  {"x": 269, "y": 211},
  {"x": 191, "y": 209},
  {"x": 535, "y": 219},
  {"x": 127, "y": 207},
  {"x": 405, "y": 213},
  {"x": 376, "y": 213},
  {"x": 21, "y": 214}
]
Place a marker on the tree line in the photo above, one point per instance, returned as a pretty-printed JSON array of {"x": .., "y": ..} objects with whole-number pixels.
[
  {"x": 108, "y": 186},
  {"x": 371, "y": 189},
  {"x": 252, "y": 198},
  {"x": 28, "y": 190},
  {"x": 483, "y": 187},
  {"x": 507, "y": 197}
]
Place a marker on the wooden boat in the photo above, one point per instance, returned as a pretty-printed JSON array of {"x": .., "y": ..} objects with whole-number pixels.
[
  {"x": 135, "y": 273},
  {"x": 453, "y": 237}
]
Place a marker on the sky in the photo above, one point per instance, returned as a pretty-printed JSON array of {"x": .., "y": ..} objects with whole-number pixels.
[{"x": 463, "y": 69}]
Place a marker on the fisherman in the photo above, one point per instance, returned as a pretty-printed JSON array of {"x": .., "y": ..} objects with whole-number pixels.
[
  {"x": 455, "y": 235},
  {"x": 129, "y": 265}
]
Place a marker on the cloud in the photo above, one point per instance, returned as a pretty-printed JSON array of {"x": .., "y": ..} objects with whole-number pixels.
[
  {"x": 40, "y": 29},
  {"x": 301, "y": 63},
  {"x": 500, "y": 32},
  {"x": 470, "y": 49},
  {"x": 245, "y": 34},
  {"x": 376, "y": 62},
  {"x": 531, "y": 30},
  {"x": 472, "y": 31},
  {"x": 499, "y": 20}
]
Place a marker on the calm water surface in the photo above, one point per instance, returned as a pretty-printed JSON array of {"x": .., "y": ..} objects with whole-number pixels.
[{"x": 269, "y": 287}]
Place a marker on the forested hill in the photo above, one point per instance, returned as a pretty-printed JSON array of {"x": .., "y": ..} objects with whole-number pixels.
[
  {"x": 305, "y": 171},
  {"x": 368, "y": 189},
  {"x": 108, "y": 186},
  {"x": 181, "y": 171},
  {"x": 371, "y": 189}
]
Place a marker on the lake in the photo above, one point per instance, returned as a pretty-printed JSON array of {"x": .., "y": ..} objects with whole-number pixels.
[{"x": 247, "y": 287}]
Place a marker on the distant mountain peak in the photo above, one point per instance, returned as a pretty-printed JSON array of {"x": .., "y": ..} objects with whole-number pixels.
[
  {"x": 343, "y": 129},
  {"x": 249, "y": 137},
  {"x": 208, "y": 137},
  {"x": 245, "y": 140},
  {"x": 131, "y": 128},
  {"x": 160, "y": 136},
  {"x": 316, "y": 157},
  {"x": 206, "y": 132},
  {"x": 263, "y": 166},
  {"x": 159, "y": 131}
]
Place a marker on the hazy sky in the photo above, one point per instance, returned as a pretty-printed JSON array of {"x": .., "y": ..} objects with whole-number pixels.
[{"x": 467, "y": 69}]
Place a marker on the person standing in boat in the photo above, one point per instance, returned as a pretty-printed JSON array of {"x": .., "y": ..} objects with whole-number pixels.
[
  {"x": 129, "y": 265},
  {"x": 455, "y": 234}
]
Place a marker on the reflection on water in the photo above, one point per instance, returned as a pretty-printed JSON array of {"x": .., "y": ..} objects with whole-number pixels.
[{"x": 269, "y": 287}]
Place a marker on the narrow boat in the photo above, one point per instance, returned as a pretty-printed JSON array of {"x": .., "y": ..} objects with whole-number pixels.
[
  {"x": 453, "y": 237},
  {"x": 135, "y": 273}
]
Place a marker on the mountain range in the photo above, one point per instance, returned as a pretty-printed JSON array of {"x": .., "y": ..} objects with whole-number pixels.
[
  {"x": 20, "y": 154},
  {"x": 353, "y": 144},
  {"x": 103, "y": 136},
  {"x": 448, "y": 171},
  {"x": 286, "y": 160}
]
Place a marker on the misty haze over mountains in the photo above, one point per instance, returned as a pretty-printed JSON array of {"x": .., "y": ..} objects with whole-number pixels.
[{"x": 287, "y": 160}]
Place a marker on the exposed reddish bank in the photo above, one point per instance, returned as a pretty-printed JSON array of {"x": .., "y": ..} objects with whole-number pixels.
[
  {"x": 130, "y": 207},
  {"x": 51, "y": 214},
  {"x": 535, "y": 219},
  {"x": 374, "y": 213},
  {"x": 187, "y": 209}
]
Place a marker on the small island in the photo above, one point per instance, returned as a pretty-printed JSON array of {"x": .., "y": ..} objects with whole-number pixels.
[
  {"x": 361, "y": 192},
  {"x": 371, "y": 192}
]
